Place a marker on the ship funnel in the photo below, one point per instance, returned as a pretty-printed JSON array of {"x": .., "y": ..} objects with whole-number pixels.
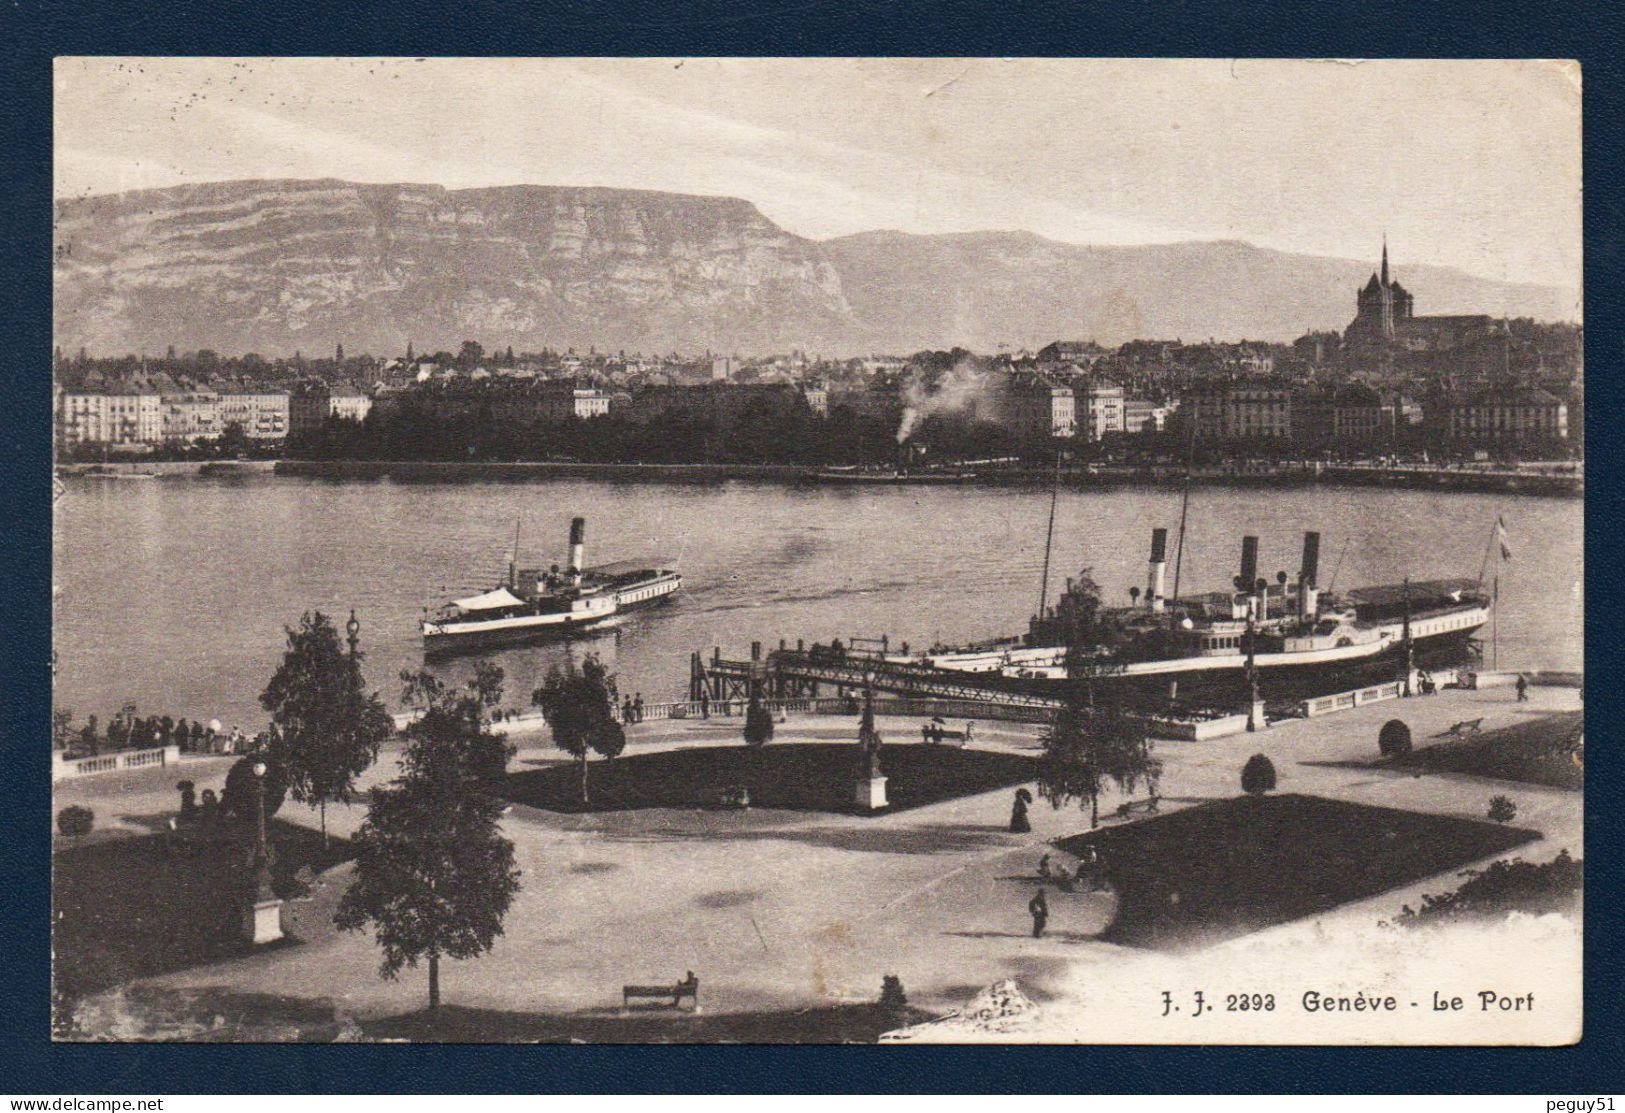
[
  {"x": 1308, "y": 595},
  {"x": 578, "y": 545},
  {"x": 1249, "y": 570},
  {"x": 1159, "y": 561}
]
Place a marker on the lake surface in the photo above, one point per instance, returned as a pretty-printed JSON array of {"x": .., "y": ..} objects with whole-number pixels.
[{"x": 174, "y": 593}]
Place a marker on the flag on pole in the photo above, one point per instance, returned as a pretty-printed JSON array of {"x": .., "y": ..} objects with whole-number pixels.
[{"x": 1501, "y": 538}]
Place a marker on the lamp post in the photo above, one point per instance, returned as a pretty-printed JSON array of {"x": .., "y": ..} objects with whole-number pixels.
[
  {"x": 262, "y": 864},
  {"x": 353, "y": 629},
  {"x": 262, "y": 918},
  {"x": 1252, "y": 664}
]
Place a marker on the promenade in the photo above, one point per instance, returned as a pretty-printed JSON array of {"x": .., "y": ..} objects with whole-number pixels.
[{"x": 776, "y": 909}]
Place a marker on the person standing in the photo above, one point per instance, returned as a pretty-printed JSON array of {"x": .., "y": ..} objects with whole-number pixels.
[
  {"x": 637, "y": 708},
  {"x": 1019, "y": 824},
  {"x": 1039, "y": 907},
  {"x": 1523, "y": 689}
]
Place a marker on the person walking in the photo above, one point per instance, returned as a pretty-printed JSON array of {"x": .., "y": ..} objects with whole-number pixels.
[
  {"x": 626, "y": 711},
  {"x": 1039, "y": 907},
  {"x": 637, "y": 708},
  {"x": 1523, "y": 688}
]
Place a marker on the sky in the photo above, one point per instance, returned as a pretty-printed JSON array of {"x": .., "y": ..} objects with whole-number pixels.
[{"x": 1472, "y": 164}]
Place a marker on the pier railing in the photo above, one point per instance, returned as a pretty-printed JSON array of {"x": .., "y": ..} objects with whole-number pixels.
[{"x": 64, "y": 768}]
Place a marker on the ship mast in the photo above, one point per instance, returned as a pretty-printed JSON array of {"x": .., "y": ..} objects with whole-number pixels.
[
  {"x": 1049, "y": 536},
  {"x": 513, "y": 564}
]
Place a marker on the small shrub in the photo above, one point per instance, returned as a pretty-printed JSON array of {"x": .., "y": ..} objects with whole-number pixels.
[
  {"x": 1505, "y": 886},
  {"x": 1394, "y": 740},
  {"x": 891, "y": 992},
  {"x": 1258, "y": 775},
  {"x": 1503, "y": 810},
  {"x": 75, "y": 820}
]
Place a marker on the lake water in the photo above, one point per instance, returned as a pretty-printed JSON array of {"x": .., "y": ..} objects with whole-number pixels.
[{"x": 173, "y": 593}]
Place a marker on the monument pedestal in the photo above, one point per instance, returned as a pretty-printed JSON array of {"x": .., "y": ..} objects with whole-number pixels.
[
  {"x": 871, "y": 793},
  {"x": 262, "y": 921}
]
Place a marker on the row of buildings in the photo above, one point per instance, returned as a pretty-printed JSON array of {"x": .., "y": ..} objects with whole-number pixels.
[
  {"x": 146, "y": 412},
  {"x": 1353, "y": 416}
]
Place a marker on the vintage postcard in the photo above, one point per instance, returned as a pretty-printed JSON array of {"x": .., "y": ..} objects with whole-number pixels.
[{"x": 818, "y": 551}]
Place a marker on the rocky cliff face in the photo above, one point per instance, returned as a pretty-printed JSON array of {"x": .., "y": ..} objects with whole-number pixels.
[{"x": 279, "y": 266}]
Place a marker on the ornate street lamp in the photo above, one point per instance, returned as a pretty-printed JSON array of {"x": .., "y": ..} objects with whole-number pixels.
[
  {"x": 262, "y": 916},
  {"x": 353, "y": 628}
]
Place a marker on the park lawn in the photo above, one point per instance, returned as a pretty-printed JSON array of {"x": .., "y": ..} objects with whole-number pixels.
[
  {"x": 1198, "y": 876},
  {"x": 798, "y": 776},
  {"x": 136, "y": 907},
  {"x": 1533, "y": 752}
]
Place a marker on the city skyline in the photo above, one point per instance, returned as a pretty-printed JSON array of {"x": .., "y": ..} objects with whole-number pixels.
[{"x": 1486, "y": 180}]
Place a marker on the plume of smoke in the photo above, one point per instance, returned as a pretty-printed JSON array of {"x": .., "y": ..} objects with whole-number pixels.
[{"x": 962, "y": 389}]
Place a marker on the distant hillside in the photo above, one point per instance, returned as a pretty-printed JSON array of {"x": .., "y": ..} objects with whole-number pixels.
[{"x": 279, "y": 266}]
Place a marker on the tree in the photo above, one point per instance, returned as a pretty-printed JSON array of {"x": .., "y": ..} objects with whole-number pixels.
[
  {"x": 233, "y": 440},
  {"x": 578, "y": 705},
  {"x": 433, "y": 874},
  {"x": 1086, "y": 747},
  {"x": 1258, "y": 776},
  {"x": 328, "y": 727},
  {"x": 462, "y": 716}
]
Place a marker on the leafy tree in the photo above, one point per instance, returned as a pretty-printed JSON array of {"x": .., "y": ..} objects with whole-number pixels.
[
  {"x": 233, "y": 440},
  {"x": 328, "y": 727},
  {"x": 61, "y": 728},
  {"x": 462, "y": 717},
  {"x": 1258, "y": 776},
  {"x": 1088, "y": 746},
  {"x": 238, "y": 797},
  {"x": 434, "y": 876},
  {"x": 578, "y": 705}
]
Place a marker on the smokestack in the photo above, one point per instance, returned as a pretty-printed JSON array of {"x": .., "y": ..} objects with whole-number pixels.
[
  {"x": 1159, "y": 561},
  {"x": 1249, "y": 567},
  {"x": 578, "y": 546},
  {"x": 1308, "y": 596}
]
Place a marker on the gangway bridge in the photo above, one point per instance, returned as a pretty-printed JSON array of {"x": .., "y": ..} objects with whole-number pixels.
[{"x": 797, "y": 673}]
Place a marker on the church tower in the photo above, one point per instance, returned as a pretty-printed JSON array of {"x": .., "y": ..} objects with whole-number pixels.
[{"x": 1387, "y": 302}]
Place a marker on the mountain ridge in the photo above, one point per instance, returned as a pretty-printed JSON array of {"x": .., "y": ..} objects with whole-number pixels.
[{"x": 277, "y": 265}]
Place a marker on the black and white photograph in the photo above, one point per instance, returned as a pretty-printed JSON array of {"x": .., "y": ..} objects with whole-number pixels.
[{"x": 817, "y": 551}]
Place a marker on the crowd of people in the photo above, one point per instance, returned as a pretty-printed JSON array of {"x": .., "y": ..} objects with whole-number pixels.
[{"x": 128, "y": 731}]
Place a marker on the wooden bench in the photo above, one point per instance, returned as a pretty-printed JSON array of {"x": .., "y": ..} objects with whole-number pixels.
[
  {"x": 689, "y": 987},
  {"x": 934, "y": 734},
  {"x": 1464, "y": 729}
]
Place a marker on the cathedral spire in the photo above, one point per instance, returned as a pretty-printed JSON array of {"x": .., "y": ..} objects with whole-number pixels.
[{"x": 1385, "y": 258}]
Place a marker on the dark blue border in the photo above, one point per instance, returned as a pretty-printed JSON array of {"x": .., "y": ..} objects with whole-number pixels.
[{"x": 33, "y": 32}]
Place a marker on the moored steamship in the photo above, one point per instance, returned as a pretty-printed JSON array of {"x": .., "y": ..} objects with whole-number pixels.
[
  {"x": 534, "y": 604},
  {"x": 1302, "y": 639}
]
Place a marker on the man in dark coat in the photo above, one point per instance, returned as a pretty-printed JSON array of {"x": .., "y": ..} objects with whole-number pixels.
[{"x": 1039, "y": 907}]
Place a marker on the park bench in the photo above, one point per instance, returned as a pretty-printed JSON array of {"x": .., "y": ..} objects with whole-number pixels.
[
  {"x": 1129, "y": 807},
  {"x": 934, "y": 734},
  {"x": 1464, "y": 729},
  {"x": 689, "y": 987}
]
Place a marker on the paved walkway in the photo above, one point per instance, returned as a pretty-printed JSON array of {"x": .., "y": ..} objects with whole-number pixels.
[{"x": 775, "y": 909}]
